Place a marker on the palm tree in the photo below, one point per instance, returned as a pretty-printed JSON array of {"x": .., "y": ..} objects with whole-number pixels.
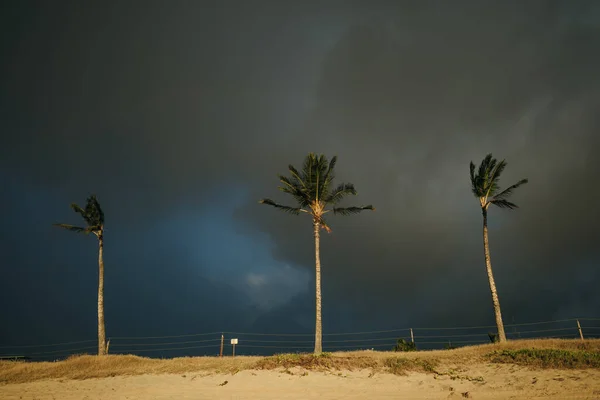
[
  {"x": 484, "y": 185},
  {"x": 313, "y": 191},
  {"x": 94, "y": 219}
]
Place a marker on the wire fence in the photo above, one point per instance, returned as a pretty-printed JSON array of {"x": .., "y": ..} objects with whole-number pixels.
[{"x": 209, "y": 344}]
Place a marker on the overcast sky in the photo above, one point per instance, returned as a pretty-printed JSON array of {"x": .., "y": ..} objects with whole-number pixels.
[{"x": 180, "y": 115}]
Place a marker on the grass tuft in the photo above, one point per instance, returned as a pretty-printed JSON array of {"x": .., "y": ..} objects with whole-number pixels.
[
  {"x": 323, "y": 361},
  {"x": 401, "y": 366},
  {"x": 548, "y": 358}
]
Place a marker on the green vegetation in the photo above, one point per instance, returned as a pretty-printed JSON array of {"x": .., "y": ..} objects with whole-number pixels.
[
  {"x": 548, "y": 358},
  {"x": 493, "y": 337},
  {"x": 322, "y": 361},
  {"x": 403, "y": 345},
  {"x": 400, "y": 366}
]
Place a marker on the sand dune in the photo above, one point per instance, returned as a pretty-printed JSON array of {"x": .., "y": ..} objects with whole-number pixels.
[
  {"x": 499, "y": 382},
  {"x": 570, "y": 371}
]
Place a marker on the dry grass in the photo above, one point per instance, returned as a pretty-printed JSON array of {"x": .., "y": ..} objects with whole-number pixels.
[
  {"x": 87, "y": 367},
  {"x": 325, "y": 361},
  {"x": 544, "y": 353}
]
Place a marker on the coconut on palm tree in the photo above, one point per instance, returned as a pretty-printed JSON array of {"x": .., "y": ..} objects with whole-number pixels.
[
  {"x": 94, "y": 219},
  {"x": 313, "y": 191},
  {"x": 485, "y": 186}
]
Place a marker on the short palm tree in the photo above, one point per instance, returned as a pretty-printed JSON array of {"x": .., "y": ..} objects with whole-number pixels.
[
  {"x": 94, "y": 219},
  {"x": 313, "y": 191},
  {"x": 484, "y": 185}
]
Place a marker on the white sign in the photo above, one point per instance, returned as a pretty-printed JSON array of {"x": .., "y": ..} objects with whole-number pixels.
[{"x": 234, "y": 341}]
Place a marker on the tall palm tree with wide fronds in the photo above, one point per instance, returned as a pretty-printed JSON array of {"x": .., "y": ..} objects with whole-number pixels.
[
  {"x": 484, "y": 184},
  {"x": 94, "y": 219},
  {"x": 313, "y": 190}
]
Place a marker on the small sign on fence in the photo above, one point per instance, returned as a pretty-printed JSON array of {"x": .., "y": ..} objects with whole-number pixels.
[{"x": 233, "y": 343}]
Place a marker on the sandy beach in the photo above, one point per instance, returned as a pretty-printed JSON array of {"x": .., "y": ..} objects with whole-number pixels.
[
  {"x": 562, "y": 371},
  {"x": 498, "y": 383}
]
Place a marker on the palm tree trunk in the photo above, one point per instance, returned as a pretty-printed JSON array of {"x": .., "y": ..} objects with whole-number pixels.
[
  {"x": 318, "y": 327},
  {"x": 488, "y": 264},
  {"x": 101, "y": 331}
]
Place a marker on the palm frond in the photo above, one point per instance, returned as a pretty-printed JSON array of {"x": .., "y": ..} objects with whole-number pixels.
[
  {"x": 93, "y": 211},
  {"x": 474, "y": 186},
  {"x": 78, "y": 209},
  {"x": 299, "y": 196},
  {"x": 321, "y": 184},
  {"x": 478, "y": 178},
  {"x": 341, "y": 191},
  {"x": 82, "y": 212},
  {"x": 98, "y": 208},
  {"x": 291, "y": 210},
  {"x": 503, "y": 204},
  {"x": 494, "y": 178},
  {"x": 297, "y": 176},
  {"x": 312, "y": 189},
  {"x": 351, "y": 210},
  {"x": 307, "y": 170},
  {"x": 314, "y": 172},
  {"x": 329, "y": 174},
  {"x": 293, "y": 187},
  {"x": 325, "y": 225},
  {"x": 484, "y": 167},
  {"x": 328, "y": 178},
  {"x": 73, "y": 228},
  {"x": 509, "y": 190},
  {"x": 484, "y": 182},
  {"x": 497, "y": 171},
  {"x": 487, "y": 182}
]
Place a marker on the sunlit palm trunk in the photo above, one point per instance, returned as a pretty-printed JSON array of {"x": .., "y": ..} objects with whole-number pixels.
[
  {"x": 488, "y": 264},
  {"x": 318, "y": 327},
  {"x": 101, "y": 331}
]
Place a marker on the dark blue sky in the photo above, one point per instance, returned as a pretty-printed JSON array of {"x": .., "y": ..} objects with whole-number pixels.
[{"x": 179, "y": 116}]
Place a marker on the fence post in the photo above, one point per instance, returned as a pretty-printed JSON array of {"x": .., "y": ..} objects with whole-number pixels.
[
  {"x": 579, "y": 329},
  {"x": 221, "y": 352},
  {"x": 412, "y": 337}
]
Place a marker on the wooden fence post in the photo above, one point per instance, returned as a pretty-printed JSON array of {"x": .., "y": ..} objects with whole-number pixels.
[
  {"x": 221, "y": 352},
  {"x": 412, "y": 337},
  {"x": 579, "y": 329}
]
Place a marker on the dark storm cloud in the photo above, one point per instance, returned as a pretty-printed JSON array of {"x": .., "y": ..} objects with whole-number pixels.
[
  {"x": 407, "y": 102},
  {"x": 150, "y": 99},
  {"x": 163, "y": 110}
]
